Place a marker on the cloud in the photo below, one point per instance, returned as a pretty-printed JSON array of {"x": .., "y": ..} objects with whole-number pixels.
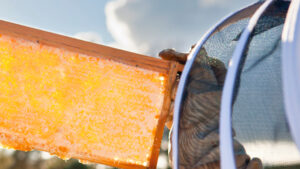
[
  {"x": 150, "y": 26},
  {"x": 120, "y": 28},
  {"x": 89, "y": 36}
]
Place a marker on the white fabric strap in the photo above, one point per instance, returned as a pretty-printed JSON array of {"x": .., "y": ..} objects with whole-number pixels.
[
  {"x": 226, "y": 142},
  {"x": 182, "y": 82},
  {"x": 291, "y": 69}
]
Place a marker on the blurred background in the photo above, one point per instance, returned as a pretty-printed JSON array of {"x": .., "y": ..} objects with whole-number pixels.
[{"x": 140, "y": 26}]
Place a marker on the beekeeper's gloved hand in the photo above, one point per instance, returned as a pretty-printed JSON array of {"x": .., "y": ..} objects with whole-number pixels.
[{"x": 199, "y": 119}]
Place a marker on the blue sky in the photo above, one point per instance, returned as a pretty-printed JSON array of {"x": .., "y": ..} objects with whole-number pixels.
[
  {"x": 142, "y": 26},
  {"x": 66, "y": 17}
]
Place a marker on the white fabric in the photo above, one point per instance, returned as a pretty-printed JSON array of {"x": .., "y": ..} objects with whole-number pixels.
[
  {"x": 182, "y": 82},
  {"x": 226, "y": 142},
  {"x": 291, "y": 69}
]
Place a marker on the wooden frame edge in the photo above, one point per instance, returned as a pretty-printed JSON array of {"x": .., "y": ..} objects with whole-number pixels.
[
  {"x": 169, "y": 68},
  {"x": 175, "y": 67},
  {"x": 88, "y": 48}
]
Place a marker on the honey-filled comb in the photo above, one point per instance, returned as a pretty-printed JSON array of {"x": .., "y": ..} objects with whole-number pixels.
[{"x": 76, "y": 99}]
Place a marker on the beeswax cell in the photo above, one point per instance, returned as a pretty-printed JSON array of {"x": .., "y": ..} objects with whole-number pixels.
[{"x": 74, "y": 105}]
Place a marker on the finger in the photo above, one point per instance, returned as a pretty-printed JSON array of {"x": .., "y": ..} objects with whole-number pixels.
[
  {"x": 171, "y": 54},
  {"x": 169, "y": 120},
  {"x": 219, "y": 70},
  {"x": 255, "y": 163},
  {"x": 174, "y": 89},
  {"x": 192, "y": 47},
  {"x": 242, "y": 161}
]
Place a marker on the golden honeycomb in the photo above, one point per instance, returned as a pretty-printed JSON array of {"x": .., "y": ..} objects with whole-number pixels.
[{"x": 77, "y": 106}]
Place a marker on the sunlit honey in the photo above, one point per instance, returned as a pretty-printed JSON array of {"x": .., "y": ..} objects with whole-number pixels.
[{"x": 74, "y": 105}]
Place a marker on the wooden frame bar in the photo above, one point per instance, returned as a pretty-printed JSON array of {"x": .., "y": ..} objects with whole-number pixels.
[{"x": 168, "y": 68}]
